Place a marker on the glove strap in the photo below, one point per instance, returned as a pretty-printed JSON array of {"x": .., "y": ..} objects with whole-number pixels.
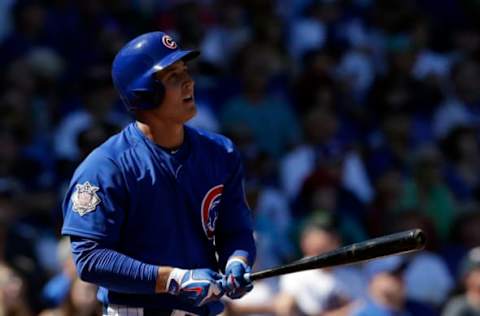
[{"x": 174, "y": 281}]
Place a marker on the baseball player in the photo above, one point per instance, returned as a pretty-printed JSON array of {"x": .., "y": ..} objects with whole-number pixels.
[{"x": 157, "y": 212}]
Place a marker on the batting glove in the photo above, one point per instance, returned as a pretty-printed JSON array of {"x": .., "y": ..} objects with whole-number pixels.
[
  {"x": 234, "y": 282},
  {"x": 199, "y": 286}
]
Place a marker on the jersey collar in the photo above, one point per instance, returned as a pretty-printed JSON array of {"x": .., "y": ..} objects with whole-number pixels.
[{"x": 181, "y": 154}]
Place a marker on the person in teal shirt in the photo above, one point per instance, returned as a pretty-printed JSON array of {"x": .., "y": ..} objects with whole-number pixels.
[{"x": 269, "y": 120}]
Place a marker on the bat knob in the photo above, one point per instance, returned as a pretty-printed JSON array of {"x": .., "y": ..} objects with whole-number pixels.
[{"x": 420, "y": 238}]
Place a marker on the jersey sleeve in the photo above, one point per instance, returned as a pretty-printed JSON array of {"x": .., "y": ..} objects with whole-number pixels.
[
  {"x": 234, "y": 233},
  {"x": 96, "y": 200}
]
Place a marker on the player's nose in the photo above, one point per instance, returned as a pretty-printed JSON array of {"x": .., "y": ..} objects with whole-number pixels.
[{"x": 188, "y": 83}]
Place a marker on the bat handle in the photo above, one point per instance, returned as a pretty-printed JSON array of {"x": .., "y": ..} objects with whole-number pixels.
[{"x": 247, "y": 278}]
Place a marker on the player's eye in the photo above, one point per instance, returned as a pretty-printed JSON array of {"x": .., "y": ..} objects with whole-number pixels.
[
  {"x": 173, "y": 77},
  {"x": 178, "y": 76}
]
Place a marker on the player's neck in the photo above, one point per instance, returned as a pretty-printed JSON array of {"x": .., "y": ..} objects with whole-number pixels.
[{"x": 165, "y": 135}]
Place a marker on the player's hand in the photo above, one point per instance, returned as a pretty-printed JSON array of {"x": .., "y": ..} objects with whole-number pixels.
[
  {"x": 199, "y": 286},
  {"x": 234, "y": 282}
]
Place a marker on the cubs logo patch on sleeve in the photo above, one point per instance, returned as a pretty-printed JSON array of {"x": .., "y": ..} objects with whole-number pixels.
[{"x": 85, "y": 198}]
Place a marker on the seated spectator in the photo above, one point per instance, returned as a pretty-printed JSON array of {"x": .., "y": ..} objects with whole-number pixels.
[
  {"x": 268, "y": 46},
  {"x": 324, "y": 197},
  {"x": 13, "y": 301},
  {"x": 426, "y": 275},
  {"x": 323, "y": 146},
  {"x": 18, "y": 159},
  {"x": 56, "y": 289},
  {"x": 272, "y": 220},
  {"x": 468, "y": 303},
  {"x": 462, "y": 151},
  {"x": 314, "y": 84},
  {"x": 222, "y": 41},
  {"x": 81, "y": 301},
  {"x": 270, "y": 119},
  {"x": 314, "y": 29},
  {"x": 391, "y": 146},
  {"x": 28, "y": 30},
  {"x": 402, "y": 106},
  {"x": 98, "y": 106},
  {"x": 20, "y": 242},
  {"x": 320, "y": 291},
  {"x": 355, "y": 75},
  {"x": 427, "y": 192},
  {"x": 388, "y": 186},
  {"x": 461, "y": 107},
  {"x": 465, "y": 236},
  {"x": 430, "y": 64},
  {"x": 387, "y": 292}
]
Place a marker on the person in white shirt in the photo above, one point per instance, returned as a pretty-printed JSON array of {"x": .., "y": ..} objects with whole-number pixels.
[{"x": 320, "y": 291}]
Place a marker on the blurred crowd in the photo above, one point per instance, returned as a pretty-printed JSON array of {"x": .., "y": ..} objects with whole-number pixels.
[{"x": 355, "y": 118}]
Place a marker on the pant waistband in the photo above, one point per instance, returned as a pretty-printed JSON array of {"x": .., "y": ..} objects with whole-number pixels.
[{"x": 121, "y": 310}]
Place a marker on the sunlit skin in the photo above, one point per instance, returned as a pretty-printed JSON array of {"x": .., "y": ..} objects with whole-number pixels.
[{"x": 164, "y": 123}]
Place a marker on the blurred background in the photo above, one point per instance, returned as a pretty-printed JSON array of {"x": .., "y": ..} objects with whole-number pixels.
[{"x": 355, "y": 118}]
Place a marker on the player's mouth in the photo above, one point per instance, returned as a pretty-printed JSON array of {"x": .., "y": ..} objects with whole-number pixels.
[{"x": 188, "y": 99}]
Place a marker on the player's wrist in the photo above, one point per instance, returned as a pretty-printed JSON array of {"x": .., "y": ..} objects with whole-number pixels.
[
  {"x": 240, "y": 259},
  {"x": 174, "y": 280},
  {"x": 163, "y": 274},
  {"x": 241, "y": 254}
]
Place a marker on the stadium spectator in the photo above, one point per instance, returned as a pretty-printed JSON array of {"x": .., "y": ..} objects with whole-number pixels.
[
  {"x": 320, "y": 291},
  {"x": 468, "y": 303}
]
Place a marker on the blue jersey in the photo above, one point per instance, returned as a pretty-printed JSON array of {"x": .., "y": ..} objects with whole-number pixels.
[{"x": 185, "y": 209}]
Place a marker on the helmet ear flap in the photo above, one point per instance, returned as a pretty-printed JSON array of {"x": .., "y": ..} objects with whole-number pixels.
[
  {"x": 159, "y": 92},
  {"x": 148, "y": 99}
]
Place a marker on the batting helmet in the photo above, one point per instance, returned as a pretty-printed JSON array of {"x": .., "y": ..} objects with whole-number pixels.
[{"x": 135, "y": 64}]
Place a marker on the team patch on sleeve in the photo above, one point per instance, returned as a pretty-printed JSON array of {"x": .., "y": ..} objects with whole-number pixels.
[
  {"x": 85, "y": 198},
  {"x": 210, "y": 210}
]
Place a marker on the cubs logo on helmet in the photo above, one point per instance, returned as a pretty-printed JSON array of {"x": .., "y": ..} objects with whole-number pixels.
[
  {"x": 209, "y": 210},
  {"x": 169, "y": 42}
]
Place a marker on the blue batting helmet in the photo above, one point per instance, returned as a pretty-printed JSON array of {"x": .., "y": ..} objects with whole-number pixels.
[{"x": 135, "y": 64}]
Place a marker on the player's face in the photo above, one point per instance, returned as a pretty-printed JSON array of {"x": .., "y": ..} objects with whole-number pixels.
[{"x": 178, "y": 105}]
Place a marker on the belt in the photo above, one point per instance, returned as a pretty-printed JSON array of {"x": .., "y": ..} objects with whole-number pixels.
[{"x": 121, "y": 310}]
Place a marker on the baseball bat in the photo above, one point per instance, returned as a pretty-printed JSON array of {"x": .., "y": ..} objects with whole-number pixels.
[{"x": 403, "y": 242}]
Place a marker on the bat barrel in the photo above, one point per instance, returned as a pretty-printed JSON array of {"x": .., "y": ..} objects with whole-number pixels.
[{"x": 403, "y": 242}]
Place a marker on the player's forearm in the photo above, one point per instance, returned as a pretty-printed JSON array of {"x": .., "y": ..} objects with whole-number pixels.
[{"x": 113, "y": 270}]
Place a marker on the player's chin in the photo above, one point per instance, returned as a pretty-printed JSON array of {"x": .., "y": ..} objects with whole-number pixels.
[
  {"x": 189, "y": 110},
  {"x": 189, "y": 104}
]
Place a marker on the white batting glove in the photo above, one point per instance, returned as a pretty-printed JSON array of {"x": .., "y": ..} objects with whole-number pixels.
[{"x": 199, "y": 286}]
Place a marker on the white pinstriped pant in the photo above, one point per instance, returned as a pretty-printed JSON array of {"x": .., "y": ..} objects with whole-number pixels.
[{"x": 120, "y": 310}]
